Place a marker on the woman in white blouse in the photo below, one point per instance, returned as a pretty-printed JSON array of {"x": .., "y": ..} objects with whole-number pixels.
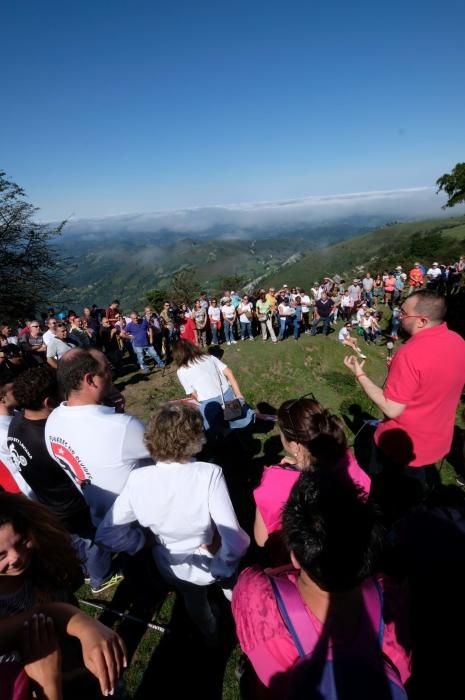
[
  {"x": 210, "y": 382},
  {"x": 186, "y": 505}
]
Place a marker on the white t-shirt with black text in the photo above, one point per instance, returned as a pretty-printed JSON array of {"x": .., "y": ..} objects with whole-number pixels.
[{"x": 98, "y": 448}]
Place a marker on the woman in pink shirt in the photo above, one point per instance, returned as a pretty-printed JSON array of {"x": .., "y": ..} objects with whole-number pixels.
[
  {"x": 329, "y": 609},
  {"x": 314, "y": 439}
]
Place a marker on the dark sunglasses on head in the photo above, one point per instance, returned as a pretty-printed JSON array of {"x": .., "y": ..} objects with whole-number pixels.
[{"x": 291, "y": 404}]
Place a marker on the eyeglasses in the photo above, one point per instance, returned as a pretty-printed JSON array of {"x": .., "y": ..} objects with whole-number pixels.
[
  {"x": 404, "y": 314},
  {"x": 34, "y": 326},
  {"x": 291, "y": 404}
]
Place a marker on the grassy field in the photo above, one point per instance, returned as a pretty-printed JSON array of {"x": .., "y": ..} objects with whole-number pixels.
[{"x": 267, "y": 375}]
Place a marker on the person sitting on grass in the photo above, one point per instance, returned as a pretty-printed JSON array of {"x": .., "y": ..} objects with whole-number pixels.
[
  {"x": 329, "y": 604},
  {"x": 346, "y": 339},
  {"x": 368, "y": 327},
  {"x": 186, "y": 505},
  {"x": 313, "y": 439}
]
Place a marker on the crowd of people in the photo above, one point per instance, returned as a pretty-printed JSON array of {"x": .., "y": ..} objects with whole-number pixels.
[
  {"x": 328, "y": 589},
  {"x": 275, "y": 314}
]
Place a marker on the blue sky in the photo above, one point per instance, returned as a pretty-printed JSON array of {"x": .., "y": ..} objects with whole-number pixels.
[{"x": 120, "y": 106}]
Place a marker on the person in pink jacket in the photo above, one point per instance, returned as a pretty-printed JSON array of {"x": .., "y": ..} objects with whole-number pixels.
[{"x": 313, "y": 439}]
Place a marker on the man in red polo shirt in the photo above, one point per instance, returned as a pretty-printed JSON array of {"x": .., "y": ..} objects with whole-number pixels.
[{"x": 421, "y": 393}]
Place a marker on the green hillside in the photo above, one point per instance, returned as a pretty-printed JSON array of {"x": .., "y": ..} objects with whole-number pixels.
[
  {"x": 399, "y": 244},
  {"x": 127, "y": 269}
]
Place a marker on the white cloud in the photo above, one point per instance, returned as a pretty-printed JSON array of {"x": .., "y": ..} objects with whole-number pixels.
[{"x": 414, "y": 203}]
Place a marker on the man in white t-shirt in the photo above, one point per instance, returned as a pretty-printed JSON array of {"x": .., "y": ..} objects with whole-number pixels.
[
  {"x": 355, "y": 291},
  {"x": 433, "y": 276},
  {"x": 368, "y": 283},
  {"x": 60, "y": 344},
  {"x": 50, "y": 333},
  {"x": 96, "y": 446}
]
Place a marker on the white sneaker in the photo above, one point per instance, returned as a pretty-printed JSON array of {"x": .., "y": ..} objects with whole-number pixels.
[
  {"x": 234, "y": 342},
  {"x": 228, "y": 343},
  {"x": 364, "y": 357}
]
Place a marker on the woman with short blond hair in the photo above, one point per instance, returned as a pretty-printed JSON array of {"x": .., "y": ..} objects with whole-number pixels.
[{"x": 186, "y": 505}]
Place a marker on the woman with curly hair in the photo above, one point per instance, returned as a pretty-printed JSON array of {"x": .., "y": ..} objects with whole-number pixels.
[
  {"x": 313, "y": 439},
  {"x": 186, "y": 505}
]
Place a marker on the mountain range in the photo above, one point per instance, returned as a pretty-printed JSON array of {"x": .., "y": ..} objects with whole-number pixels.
[{"x": 125, "y": 256}]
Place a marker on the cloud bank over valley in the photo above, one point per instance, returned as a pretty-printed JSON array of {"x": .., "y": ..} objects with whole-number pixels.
[{"x": 236, "y": 219}]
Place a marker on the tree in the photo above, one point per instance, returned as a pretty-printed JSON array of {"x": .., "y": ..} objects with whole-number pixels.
[
  {"x": 232, "y": 282},
  {"x": 183, "y": 288},
  {"x": 155, "y": 298},
  {"x": 453, "y": 184},
  {"x": 30, "y": 268}
]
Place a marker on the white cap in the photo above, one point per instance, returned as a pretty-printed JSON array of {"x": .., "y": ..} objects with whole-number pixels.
[{"x": 434, "y": 263}]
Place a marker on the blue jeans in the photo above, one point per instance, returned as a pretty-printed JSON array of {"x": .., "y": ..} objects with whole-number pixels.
[
  {"x": 395, "y": 323},
  {"x": 228, "y": 331},
  {"x": 368, "y": 297},
  {"x": 246, "y": 330},
  {"x": 212, "y": 412},
  {"x": 214, "y": 330},
  {"x": 97, "y": 562},
  {"x": 282, "y": 328},
  {"x": 316, "y": 323},
  {"x": 151, "y": 352},
  {"x": 296, "y": 327}
]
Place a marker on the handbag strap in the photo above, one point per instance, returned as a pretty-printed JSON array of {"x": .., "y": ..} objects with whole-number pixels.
[{"x": 219, "y": 380}]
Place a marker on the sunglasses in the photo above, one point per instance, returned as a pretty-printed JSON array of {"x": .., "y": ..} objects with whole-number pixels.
[{"x": 293, "y": 403}]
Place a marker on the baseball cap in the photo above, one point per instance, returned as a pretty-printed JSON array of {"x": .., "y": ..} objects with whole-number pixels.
[
  {"x": 434, "y": 264},
  {"x": 399, "y": 267}
]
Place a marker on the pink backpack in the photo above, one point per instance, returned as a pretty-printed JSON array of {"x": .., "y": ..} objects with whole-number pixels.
[{"x": 358, "y": 671}]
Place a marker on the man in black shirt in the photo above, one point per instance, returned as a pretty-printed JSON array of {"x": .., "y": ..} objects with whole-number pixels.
[
  {"x": 324, "y": 307},
  {"x": 36, "y": 391}
]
